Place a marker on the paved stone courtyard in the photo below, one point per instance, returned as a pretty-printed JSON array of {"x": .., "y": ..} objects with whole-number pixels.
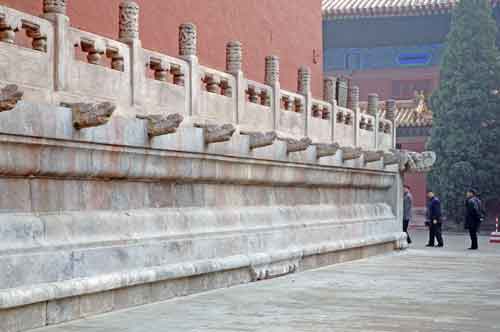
[{"x": 418, "y": 290}]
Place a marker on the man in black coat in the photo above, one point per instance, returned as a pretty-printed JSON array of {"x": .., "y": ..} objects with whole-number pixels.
[
  {"x": 434, "y": 220},
  {"x": 472, "y": 216}
]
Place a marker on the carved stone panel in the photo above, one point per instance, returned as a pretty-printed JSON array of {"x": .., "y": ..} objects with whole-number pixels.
[
  {"x": 90, "y": 115},
  {"x": 350, "y": 153},
  {"x": 160, "y": 124},
  {"x": 259, "y": 140},
  {"x": 372, "y": 156},
  {"x": 326, "y": 150},
  {"x": 217, "y": 133},
  {"x": 294, "y": 145},
  {"x": 9, "y": 97}
]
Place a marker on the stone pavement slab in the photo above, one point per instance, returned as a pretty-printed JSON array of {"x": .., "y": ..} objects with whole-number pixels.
[{"x": 434, "y": 289}]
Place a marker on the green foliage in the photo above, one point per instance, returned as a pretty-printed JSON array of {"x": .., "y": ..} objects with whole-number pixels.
[{"x": 466, "y": 110}]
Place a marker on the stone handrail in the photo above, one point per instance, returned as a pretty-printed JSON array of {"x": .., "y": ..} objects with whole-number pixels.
[{"x": 75, "y": 66}]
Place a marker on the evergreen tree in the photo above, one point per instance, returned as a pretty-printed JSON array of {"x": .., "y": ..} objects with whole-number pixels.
[{"x": 466, "y": 110}]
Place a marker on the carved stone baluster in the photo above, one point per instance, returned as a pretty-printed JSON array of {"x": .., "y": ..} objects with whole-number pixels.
[
  {"x": 387, "y": 128},
  {"x": 381, "y": 127},
  {"x": 54, "y": 7},
  {"x": 259, "y": 140},
  {"x": 286, "y": 102},
  {"x": 225, "y": 88},
  {"x": 326, "y": 150},
  {"x": 176, "y": 71},
  {"x": 369, "y": 125},
  {"x": 340, "y": 117},
  {"x": 348, "y": 118},
  {"x": 7, "y": 32},
  {"x": 264, "y": 98},
  {"x": 129, "y": 21},
  {"x": 39, "y": 42},
  {"x": 252, "y": 94},
  {"x": 212, "y": 84},
  {"x": 9, "y": 97},
  {"x": 161, "y": 70},
  {"x": 90, "y": 115},
  {"x": 362, "y": 123},
  {"x": 94, "y": 53},
  {"x": 160, "y": 124},
  {"x": 216, "y": 133},
  {"x": 187, "y": 39},
  {"x": 316, "y": 112},
  {"x": 294, "y": 145},
  {"x": 350, "y": 153},
  {"x": 326, "y": 114},
  {"x": 117, "y": 60},
  {"x": 299, "y": 107}
]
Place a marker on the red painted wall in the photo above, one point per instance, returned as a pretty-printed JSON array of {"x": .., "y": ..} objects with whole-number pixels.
[
  {"x": 291, "y": 29},
  {"x": 381, "y": 80}
]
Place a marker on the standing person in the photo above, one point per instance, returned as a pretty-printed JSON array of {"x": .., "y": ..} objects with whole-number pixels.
[
  {"x": 407, "y": 211},
  {"x": 434, "y": 221},
  {"x": 473, "y": 216}
]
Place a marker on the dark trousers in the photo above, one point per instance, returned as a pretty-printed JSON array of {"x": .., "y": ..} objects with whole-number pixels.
[
  {"x": 435, "y": 232},
  {"x": 473, "y": 237},
  {"x": 406, "y": 222}
]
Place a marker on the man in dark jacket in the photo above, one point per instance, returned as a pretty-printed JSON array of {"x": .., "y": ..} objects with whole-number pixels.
[
  {"x": 434, "y": 220},
  {"x": 407, "y": 211},
  {"x": 472, "y": 216}
]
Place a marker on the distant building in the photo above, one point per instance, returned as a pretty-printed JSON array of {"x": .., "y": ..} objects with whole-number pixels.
[
  {"x": 389, "y": 47},
  {"x": 393, "y": 48}
]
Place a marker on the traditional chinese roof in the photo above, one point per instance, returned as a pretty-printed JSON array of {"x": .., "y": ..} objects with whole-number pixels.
[
  {"x": 338, "y": 9},
  {"x": 409, "y": 113}
]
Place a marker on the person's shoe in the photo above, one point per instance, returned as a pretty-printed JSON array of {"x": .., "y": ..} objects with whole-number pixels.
[
  {"x": 429, "y": 245},
  {"x": 409, "y": 241},
  {"x": 440, "y": 245},
  {"x": 473, "y": 248}
]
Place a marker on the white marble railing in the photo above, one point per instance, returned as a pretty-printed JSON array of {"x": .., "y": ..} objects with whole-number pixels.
[{"x": 65, "y": 64}]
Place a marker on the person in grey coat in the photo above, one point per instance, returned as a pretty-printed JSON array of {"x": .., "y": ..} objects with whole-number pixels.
[{"x": 407, "y": 210}]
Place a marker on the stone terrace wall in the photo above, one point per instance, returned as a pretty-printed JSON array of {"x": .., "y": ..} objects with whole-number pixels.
[{"x": 129, "y": 176}]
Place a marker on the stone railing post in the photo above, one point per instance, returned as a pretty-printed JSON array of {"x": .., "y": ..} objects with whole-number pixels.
[
  {"x": 304, "y": 88},
  {"x": 272, "y": 78},
  {"x": 55, "y": 11},
  {"x": 129, "y": 34},
  {"x": 234, "y": 66},
  {"x": 188, "y": 44},
  {"x": 390, "y": 115},
  {"x": 373, "y": 111},
  {"x": 330, "y": 96},
  {"x": 354, "y": 105}
]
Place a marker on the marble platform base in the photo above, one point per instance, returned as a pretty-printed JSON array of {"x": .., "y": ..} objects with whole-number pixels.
[{"x": 56, "y": 311}]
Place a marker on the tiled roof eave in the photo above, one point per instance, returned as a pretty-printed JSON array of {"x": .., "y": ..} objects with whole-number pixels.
[{"x": 405, "y": 10}]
